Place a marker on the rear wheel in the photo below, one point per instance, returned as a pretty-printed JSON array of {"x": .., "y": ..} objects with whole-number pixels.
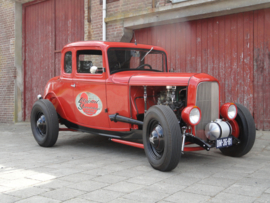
[
  {"x": 247, "y": 133},
  {"x": 44, "y": 123},
  {"x": 162, "y": 138}
]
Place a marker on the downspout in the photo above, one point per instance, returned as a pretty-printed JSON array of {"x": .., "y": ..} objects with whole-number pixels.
[{"x": 103, "y": 21}]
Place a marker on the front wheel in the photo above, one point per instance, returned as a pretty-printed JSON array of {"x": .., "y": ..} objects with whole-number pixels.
[
  {"x": 162, "y": 138},
  {"x": 247, "y": 133},
  {"x": 44, "y": 123}
]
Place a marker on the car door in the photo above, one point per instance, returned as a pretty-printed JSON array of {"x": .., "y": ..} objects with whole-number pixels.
[
  {"x": 64, "y": 89},
  {"x": 90, "y": 89}
]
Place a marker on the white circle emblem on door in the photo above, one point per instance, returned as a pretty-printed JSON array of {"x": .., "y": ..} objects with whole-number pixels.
[{"x": 88, "y": 104}]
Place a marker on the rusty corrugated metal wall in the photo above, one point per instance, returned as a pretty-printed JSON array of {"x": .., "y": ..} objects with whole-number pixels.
[
  {"x": 226, "y": 47},
  {"x": 47, "y": 26}
]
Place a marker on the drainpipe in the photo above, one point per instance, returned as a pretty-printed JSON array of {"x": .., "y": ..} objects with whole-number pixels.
[{"x": 103, "y": 21}]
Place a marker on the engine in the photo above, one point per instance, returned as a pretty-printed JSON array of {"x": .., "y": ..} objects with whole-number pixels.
[{"x": 173, "y": 97}]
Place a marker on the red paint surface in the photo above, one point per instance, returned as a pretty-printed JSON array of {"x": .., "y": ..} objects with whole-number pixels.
[
  {"x": 47, "y": 27},
  {"x": 133, "y": 144},
  {"x": 139, "y": 145}
]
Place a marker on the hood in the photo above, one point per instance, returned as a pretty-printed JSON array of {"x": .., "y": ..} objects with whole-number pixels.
[{"x": 149, "y": 78}]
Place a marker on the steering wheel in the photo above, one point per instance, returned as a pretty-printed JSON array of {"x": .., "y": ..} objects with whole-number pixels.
[{"x": 139, "y": 67}]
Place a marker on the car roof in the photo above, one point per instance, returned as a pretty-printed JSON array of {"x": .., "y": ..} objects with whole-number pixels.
[{"x": 107, "y": 45}]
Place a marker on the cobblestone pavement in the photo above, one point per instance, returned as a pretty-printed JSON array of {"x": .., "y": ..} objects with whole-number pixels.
[{"x": 87, "y": 168}]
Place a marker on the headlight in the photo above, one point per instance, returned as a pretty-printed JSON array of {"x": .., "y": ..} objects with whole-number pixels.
[
  {"x": 191, "y": 115},
  {"x": 228, "y": 111}
]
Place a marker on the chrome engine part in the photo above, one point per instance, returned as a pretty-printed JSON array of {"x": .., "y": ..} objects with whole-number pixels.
[{"x": 217, "y": 129}]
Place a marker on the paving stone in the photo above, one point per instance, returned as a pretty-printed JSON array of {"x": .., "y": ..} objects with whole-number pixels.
[
  {"x": 53, "y": 184},
  {"x": 128, "y": 173},
  {"x": 181, "y": 180},
  {"x": 124, "y": 187},
  {"x": 201, "y": 189},
  {"x": 4, "y": 189},
  {"x": 232, "y": 198},
  {"x": 122, "y": 200},
  {"x": 165, "y": 187},
  {"x": 63, "y": 194},
  {"x": 144, "y": 180},
  {"x": 217, "y": 181},
  {"x": 229, "y": 175},
  {"x": 42, "y": 177},
  {"x": 78, "y": 200},
  {"x": 268, "y": 190},
  {"x": 184, "y": 197},
  {"x": 88, "y": 186},
  {"x": 102, "y": 195},
  {"x": 78, "y": 177},
  {"x": 19, "y": 183},
  {"x": 38, "y": 199},
  {"x": 265, "y": 198},
  {"x": 245, "y": 190},
  {"x": 7, "y": 198},
  {"x": 27, "y": 192},
  {"x": 144, "y": 195},
  {"x": 109, "y": 179}
]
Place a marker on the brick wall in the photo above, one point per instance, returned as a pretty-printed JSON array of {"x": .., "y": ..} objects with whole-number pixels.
[
  {"x": 114, "y": 29},
  {"x": 7, "y": 68}
]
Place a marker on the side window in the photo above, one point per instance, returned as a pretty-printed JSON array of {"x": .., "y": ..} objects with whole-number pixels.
[
  {"x": 68, "y": 62},
  {"x": 89, "y": 61}
]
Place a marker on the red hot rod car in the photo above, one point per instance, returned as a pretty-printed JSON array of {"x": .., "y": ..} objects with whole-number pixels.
[{"x": 126, "y": 92}]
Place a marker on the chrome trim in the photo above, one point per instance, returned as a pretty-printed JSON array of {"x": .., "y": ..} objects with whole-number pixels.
[{"x": 207, "y": 99}]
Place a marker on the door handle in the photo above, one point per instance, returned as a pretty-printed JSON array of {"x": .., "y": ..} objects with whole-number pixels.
[{"x": 73, "y": 85}]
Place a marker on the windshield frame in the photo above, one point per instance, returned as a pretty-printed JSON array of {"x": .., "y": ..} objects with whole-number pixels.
[{"x": 165, "y": 68}]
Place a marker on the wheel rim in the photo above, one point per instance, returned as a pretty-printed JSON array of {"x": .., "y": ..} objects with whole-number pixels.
[
  {"x": 156, "y": 139},
  {"x": 41, "y": 124}
]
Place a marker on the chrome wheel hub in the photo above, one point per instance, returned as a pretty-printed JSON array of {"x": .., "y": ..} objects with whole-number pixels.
[
  {"x": 156, "y": 139},
  {"x": 41, "y": 124}
]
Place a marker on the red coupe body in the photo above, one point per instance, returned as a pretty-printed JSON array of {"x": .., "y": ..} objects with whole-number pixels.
[{"x": 126, "y": 92}]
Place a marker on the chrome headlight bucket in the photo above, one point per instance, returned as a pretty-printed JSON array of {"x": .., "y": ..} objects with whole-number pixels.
[
  {"x": 228, "y": 111},
  {"x": 191, "y": 115}
]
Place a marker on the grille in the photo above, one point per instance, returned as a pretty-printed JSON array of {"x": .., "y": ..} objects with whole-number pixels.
[{"x": 208, "y": 101}]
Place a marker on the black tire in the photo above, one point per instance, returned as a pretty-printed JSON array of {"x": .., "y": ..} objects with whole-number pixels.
[
  {"x": 46, "y": 133},
  {"x": 247, "y": 133},
  {"x": 168, "y": 158}
]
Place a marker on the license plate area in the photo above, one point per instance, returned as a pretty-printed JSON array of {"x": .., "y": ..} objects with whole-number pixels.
[{"x": 224, "y": 142}]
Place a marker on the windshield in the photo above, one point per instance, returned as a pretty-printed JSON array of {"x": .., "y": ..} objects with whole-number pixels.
[{"x": 126, "y": 59}]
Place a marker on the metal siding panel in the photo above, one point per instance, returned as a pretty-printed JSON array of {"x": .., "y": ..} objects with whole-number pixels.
[
  {"x": 173, "y": 46},
  {"x": 41, "y": 39},
  {"x": 204, "y": 46},
  {"x": 178, "y": 38},
  {"x": 210, "y": 46},
  {"x": 221, "y": 52},
  {"x": 199, "y": 46},
  {"x": 38, "y": 42},
  {"x": 182, "y": 56},
  {"x": 215, "y": 48},
  {"x": 188, "y": 47},
  {"x": 193, "y": 46},
  {"x": 248, "y": 61},
  {"x": 233, "y": 74},
  {"x": 240, "y": 58},
  {"x": 266, "y": 73},
  {"x": 228, "y": 80},
  {"x": 259, "y": 68},
  {"x": 167, "y": 43}
]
